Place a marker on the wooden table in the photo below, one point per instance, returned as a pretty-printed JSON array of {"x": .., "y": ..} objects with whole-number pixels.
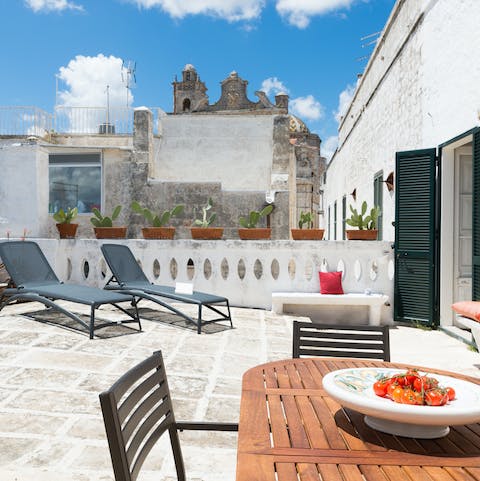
[{"x": 291, "y": 430}]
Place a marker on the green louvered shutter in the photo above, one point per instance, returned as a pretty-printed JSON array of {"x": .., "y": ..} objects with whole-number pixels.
[
  {"x": 476, "y": 217},
  {"x": 415, "y": 246}
]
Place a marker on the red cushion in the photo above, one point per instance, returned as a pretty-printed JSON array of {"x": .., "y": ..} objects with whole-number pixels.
[
  {"x": 330, "y": 282},
  {"x": 470, "y": 309}
]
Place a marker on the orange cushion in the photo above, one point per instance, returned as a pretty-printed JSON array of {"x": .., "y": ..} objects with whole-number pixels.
[
  {"x": 330, "y": 282},
  {"x": 470, "y": 309}
]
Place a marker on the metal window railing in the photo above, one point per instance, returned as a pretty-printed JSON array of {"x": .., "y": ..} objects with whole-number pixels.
[{"x": 71, "y": 120}]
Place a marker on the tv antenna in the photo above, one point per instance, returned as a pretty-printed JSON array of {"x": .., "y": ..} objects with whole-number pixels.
[
  {"x": 372, "y": 39},
  {"x": 128, "y": 76}
]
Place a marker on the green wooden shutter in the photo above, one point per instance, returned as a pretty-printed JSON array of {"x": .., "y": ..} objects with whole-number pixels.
[
  {"x": 378, "y": 200},
  {"x": 416, "y": 287},
  {"x": 476, "y": 217}
]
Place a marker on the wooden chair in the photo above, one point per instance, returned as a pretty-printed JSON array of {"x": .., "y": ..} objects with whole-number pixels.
[
  {"x": 311, "y": 339},
  {"x": 137, "y": 410}
]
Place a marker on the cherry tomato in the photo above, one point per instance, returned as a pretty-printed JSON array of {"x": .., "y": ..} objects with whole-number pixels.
[
  {"x": 397, "y": 394},
  {"x": 410, "y": 377},
  {"x": 436, "y": 397},
  {"x": 412, "y": 397},
  {"x": 424, "y": 383},
  {"x": 390, "y": 389},
  {"x": 380, "y": 388},
  {"x": 450, "y": 393}
]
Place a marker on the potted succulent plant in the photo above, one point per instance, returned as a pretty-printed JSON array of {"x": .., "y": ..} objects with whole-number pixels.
[
  {"x": 64, "y": 218},
  {"x": 159, "y": 228},
  {"x": 306, "y": 219},
  {"x": 366, "y": 224},
  {"x": 249, "y": 229},
  {"x": 103, "y": 225},
  {"x": 201, "y": 227}
]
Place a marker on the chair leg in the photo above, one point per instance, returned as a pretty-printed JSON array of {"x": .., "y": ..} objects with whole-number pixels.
[{"x": 177, "y": 453}]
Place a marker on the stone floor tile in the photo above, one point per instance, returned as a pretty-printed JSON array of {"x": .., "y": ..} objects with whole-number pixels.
[
  {"x": 44, "y": 378},
  {"x": 12, "y": 449},
  {"x": 28, "y": 422}
]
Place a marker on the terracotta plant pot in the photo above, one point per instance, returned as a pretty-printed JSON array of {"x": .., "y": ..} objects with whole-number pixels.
[
  {"x": 255, "y": 233},
  {"x": 158, "y": 232},
  {"x": 67, "y": 231},
  {"x": 206, "y": 233},
  {"x": 364, "y": 234},
  {"x": 110, "y": 232},
  {"x": 307, "y": 234}
]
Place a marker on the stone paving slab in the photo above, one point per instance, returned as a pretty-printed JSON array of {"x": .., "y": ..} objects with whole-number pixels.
[{"x": 50, "y": 420}]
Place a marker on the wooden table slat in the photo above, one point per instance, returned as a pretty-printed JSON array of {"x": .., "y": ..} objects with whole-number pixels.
[{"x": 279, "y": 428}]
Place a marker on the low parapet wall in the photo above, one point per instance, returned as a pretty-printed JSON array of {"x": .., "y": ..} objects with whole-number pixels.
[{"x": 247, "y": 272}]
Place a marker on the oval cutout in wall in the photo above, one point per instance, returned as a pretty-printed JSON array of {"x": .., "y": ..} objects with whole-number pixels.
[
  {"x": 156, "y": 269},
  {"x": 258, "y": 269},
  {"x": 190, "y": 269},
  {"x": 103, "y": 268},
  {"x": 357, "y": 270},
  {"x": 207, "y": 269},
  {"x": 225, "y": 268},
  {"x": 291, "y": 269},
  {"x": 241, "y": 269},
  {"x": 85, "y": 269},
  {"x": 173, "y": 268},
  {"x": 275, "y": 269},
  {"x": 69, "y": 269}
]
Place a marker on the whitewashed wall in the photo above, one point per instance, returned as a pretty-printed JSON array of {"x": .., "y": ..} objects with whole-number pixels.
[
  {"x": 23, "y": 188},
  {"x": 366, "y": 266},
  {"x": 236, "y": 150},
  {"x": 419, "y": 89}
]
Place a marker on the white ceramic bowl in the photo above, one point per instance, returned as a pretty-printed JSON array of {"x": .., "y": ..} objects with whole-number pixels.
[{"x": 353, "y": 388}]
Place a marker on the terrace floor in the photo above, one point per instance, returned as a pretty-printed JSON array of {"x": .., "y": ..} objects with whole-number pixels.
[{"x": 50, "y": 421}]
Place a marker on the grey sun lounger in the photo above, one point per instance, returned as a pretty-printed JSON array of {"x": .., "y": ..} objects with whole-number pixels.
[
  {"x": 35, "y": 280},
  {"x": 129, "y": 278}
]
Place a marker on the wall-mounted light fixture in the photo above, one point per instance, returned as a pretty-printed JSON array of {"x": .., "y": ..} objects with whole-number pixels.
[
  {"x": 389, "y": 182},
  {"x": 354, "y": 194}
]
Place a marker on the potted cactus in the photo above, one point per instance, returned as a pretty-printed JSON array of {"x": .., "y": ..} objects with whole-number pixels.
[
  {"x": 103, "y": 225},
  {"x": 66, "y": 229},
  {"x": 249, "y": 229},
  {"x": 306, "y": 219},
  {"x": 159, "y": 228},
  {"x": 366, "y": 224},
  {"x": 201, "y": 228}
]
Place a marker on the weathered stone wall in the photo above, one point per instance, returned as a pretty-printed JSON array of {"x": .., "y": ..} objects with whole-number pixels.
[{"x": 233, "y": 150}]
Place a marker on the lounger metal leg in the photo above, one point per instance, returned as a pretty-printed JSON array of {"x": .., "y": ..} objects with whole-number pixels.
[
  {"x": 92, "y": 321},
  {"x": 199, "y": 320}
]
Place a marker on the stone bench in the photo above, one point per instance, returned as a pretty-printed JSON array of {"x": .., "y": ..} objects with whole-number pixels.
[{"x": 373, "y": 301}]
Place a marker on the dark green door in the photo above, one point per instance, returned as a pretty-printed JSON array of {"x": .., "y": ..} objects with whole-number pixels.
[
  {"x": 476, "y": 217},
  {"x": 416, "y": 286}
]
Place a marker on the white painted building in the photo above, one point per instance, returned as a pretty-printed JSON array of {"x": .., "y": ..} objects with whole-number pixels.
[{"x": 419, "y": 90}]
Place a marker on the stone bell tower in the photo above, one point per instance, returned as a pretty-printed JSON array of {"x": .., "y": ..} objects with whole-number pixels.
[{"x": 189, "y": 95}]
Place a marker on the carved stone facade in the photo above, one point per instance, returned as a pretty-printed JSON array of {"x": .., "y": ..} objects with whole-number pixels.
[{"x": 190, "y": 96}]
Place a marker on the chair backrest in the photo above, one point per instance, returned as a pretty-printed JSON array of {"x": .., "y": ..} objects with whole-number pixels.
[
  {"x": 137, "y": 410},
  {"x": 123, "y": 264},
  {"x": 311, "y": 339},
  {"x": 26, "y": 263}
]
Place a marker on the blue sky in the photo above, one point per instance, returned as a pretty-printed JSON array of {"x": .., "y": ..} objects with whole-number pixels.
[{"x": 308, "y": 47}]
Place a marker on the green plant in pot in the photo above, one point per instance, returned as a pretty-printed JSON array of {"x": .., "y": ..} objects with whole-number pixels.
[
  {"x": 66, "y": 228},
  {"x": 249, "y": 229},
  {"x": 366, "y": 224},
  {"x": 159, "y": 222},
  {"x": 201, "y": 228},
  {"x": 103, "y": 224},
  {"x": 308, "y": 233}
]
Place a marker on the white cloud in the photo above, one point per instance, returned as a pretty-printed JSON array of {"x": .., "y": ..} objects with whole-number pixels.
[
  {"x": 231, "y": 10},
  {"x": 329, "y": 146},
  {"x": 299, "y": 12},
  {"x": 344, "y": 100},
  {"x": 52, "y": 5},
  {"x": 87, "y": 78},
  {"x": 273, "y": 85},
  {"x": 307, "y": 107}
]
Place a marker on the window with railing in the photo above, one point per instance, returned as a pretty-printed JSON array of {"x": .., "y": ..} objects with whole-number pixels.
[{"x": 75, "y": 180}]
